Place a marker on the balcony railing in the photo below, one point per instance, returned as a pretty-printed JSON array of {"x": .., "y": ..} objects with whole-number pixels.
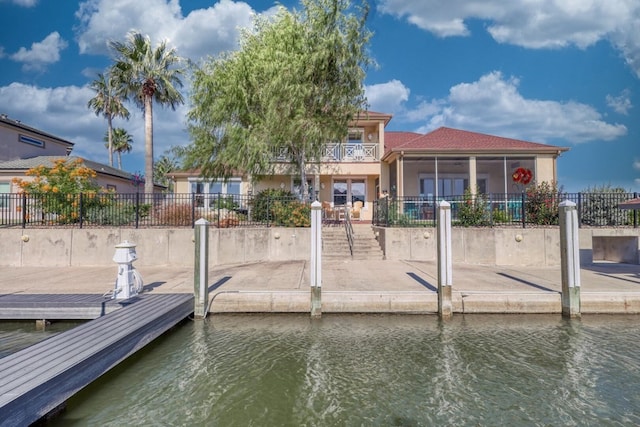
[{"x": 339, "y": 152}]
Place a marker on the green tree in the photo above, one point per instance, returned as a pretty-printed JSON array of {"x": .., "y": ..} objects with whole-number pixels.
[
  {"x": 107, "y": 102},
  {"x": 163, "y": 165},
  {"x": 146, "y": 75},
  {"x": 294, "y": 85},
  {"x": 121, "y": 142}
]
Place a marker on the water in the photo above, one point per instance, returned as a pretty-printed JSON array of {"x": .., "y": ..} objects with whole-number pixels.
[
  {"x": 14, "y": 336},
  {"x": 375, "y": 371}
]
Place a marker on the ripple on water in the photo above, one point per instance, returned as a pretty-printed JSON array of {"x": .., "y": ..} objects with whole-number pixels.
[{"x": 377, "y": 370}]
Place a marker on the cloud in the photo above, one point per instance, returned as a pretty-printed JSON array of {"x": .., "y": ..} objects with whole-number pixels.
[
  {"x": 533, "y": 24},
  {"x": 620, "y": 104},
  {"x": 636, "y": 164},
  {"x": 63, "y": 112},
  {"x": 41, "y": 53},
  {"x": 494, "y": 105},
  {"x": 201, "y": 33},
  {"x": 391, "y": 95},
  {"x": 23, "y": 3}
]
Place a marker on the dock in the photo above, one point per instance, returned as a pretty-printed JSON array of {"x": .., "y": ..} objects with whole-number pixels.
[{"x": 40, "y": 378}]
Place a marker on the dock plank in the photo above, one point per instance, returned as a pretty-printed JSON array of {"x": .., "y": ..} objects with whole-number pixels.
[
  {"x": 38, "y": 379},
  {"x": 56, "y": 306}
]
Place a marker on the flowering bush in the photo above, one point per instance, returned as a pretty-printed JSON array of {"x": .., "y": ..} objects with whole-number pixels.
[
  {"x": 57, "y": 190},
  {"x": 542, "y": 204}
]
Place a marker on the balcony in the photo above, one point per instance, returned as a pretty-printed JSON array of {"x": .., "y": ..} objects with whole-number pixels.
[{"x": 340, "y": 153}]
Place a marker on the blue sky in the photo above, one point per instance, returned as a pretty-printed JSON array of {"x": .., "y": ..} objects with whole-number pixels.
[{"x": 554, "y": 71}]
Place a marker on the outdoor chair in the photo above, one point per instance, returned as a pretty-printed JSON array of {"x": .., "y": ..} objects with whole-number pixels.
[{"x": 355, "y": 211}]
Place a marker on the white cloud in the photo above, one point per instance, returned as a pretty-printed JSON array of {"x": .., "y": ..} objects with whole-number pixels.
[
  {"x": 23, "y": 3},
  {"x": 41, "y": 53},
  {"x": 387, "y": 97},
  {"x": 63, "y": 112},
  {"x": 620, "y": 104},
  {"x": 201, "y": 33},
  {"x": 494, "y": 105},
  {"x": 532, "y": 24},
  {"x": 636, "y": 164}
]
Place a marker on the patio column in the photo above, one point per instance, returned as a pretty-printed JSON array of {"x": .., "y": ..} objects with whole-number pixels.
[
  {"x": 569, "y": 259},
  {"x": 473, "y": 179},
  {"x": 400, "y": 175}
]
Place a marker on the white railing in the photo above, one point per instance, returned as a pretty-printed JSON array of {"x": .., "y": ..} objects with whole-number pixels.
[{"x": 338, "y": 152}]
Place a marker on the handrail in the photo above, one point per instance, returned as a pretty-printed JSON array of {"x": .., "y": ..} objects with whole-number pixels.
[{"x": 348, "y": 229}]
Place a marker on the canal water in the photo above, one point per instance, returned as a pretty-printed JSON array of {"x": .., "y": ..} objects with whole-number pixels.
[{"x": 366, "y": 370}]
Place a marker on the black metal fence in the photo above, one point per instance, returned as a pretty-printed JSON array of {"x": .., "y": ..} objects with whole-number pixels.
[
  {"x": 139, "y": 210},
  {"x": 520, "y": 209}
]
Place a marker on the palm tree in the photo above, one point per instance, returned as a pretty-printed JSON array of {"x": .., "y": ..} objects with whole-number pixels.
[
  {"x": 162, "y": 167},
  {"x": 121, "y": 143},
  {"x": 108, "y": 103},
  {"x": 145, "y": 75}
]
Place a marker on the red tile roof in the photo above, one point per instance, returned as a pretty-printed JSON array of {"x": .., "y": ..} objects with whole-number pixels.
[
  {"x": 447, "y": 140},
  {"x": 393, "y": 139}
]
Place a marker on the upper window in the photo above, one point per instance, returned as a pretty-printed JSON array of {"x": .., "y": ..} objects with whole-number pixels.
[{"x": 31, "y": 141}]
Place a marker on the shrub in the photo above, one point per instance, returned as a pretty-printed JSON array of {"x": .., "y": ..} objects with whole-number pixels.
[
  {"x": 541, "y": 205},
  {"x": 280, "y": 207},
  {"x": 599, "y": 206},
  {"x": 175, "y": 215},
  {"x": 473, "y": 210}
]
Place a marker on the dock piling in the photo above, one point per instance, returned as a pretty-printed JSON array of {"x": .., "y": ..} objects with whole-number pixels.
[
  {"x": 201, "y": 269},
  {"x": 445, "y": 269},
  {"x": 569, "y": 259},
  {"x": 316, "y": 259}
]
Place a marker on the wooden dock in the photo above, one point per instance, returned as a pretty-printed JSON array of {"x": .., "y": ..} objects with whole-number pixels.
[
  {"x": 57, "y": 306},
  {"x": 40, "y": 378}
]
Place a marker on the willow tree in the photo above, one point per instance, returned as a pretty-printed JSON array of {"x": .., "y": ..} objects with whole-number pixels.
[
  {"x": 146, "y": 75},
  {"x": 294, "y": 85}
]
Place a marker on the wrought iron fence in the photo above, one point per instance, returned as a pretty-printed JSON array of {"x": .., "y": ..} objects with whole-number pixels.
[
  {"x": 139, "y": 210},
  {"x": 594, "y": 209}
]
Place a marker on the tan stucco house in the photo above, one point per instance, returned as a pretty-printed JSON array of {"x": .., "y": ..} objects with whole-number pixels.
[{"x": 372, "y": 162}]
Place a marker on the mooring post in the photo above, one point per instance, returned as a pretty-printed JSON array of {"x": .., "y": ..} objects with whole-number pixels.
[
  {"x": 201, "y": 269},
  {"x": 445, "y": 269},
  {"x": 316, "y": 259},
  {"x": 569, "y": 259}
]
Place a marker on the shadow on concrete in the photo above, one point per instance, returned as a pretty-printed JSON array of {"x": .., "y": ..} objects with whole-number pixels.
[
  {"x": 616, "y": 270},
  {"x": 526, "y": 282},
  {"x": 219, "y": 283},
  {"x": 423, "y": 282},
  {"x": 151, "y": 286}
]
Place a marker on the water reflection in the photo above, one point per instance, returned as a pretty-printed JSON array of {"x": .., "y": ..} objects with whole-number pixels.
[{"x": 376, "y": 370}]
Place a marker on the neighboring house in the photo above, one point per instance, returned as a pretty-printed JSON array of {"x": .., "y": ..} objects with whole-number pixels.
[
  {"x": 371, "y": 163},
  {"x": 23, "y": 147}
]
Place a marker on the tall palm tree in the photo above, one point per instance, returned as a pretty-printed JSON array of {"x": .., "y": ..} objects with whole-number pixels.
[
  {"x": 107, "y": 102},
  {"x": 162, "y": 167},
  {"x": 145, "y": 75},
  {"x": 121, "y": 142}
]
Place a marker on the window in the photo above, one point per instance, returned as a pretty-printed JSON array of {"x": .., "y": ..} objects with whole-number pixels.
[
  {"x": 5, "y": 189},
  {"x": 208, "y": 191},
  {"x": 449, "y": 186},
  {"x": 31, "y": 141},
  {"x": 350, "y": 190}
]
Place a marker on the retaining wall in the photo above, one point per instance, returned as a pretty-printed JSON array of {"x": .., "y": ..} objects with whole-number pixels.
[{"x": 167, "y": 247}]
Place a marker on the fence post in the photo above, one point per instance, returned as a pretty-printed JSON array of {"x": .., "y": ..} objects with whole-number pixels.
[
  {"x": 201, "y": 269},
  {"x": 569, "y": 259},
  {"x": 635, "y": 213},
  {"x": 24, "y": 210},
  {"x": 523, "y": 210},
  {"x": 445, "y": 269},
  {"x": 137, "y": 209},
  {"x": 580, "y": 209},
  {"x": 316, "y": 259},
  {"x": 80, "y": 209},
  {"x": 193, "y": 210}
]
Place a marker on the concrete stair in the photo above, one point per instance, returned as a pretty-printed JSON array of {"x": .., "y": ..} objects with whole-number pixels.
[{"x": 336, "y": 247}]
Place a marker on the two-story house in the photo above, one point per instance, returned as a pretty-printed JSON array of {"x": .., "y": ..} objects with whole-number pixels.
[{"x": 372, "y": 162}]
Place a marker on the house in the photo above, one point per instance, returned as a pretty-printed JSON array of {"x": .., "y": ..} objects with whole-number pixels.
[
  {"x": 372, "y": 162},
  {"x": 23, "y": 147}
]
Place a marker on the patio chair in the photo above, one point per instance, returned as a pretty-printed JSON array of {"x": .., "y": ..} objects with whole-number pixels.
[
  {"x": 355, "y": 211},
  {"x": 327, "y": 211}
]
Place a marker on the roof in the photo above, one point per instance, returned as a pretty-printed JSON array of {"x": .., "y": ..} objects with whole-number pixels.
[
  {"x": 448, "y": 140},
  {"x": 393, "y": 139},
  {"x": 18, "y": 124},
  {"x": 48, "y": 161}
]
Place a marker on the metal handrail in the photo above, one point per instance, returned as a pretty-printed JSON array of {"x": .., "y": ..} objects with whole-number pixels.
[{"x": 348, "y": 229}]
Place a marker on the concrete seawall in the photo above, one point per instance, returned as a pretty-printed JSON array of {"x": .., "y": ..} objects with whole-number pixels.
[{"x": 63, "y": 247}]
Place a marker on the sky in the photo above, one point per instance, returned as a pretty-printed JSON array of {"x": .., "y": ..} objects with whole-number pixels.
[{"x": 560, "y": 72}]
